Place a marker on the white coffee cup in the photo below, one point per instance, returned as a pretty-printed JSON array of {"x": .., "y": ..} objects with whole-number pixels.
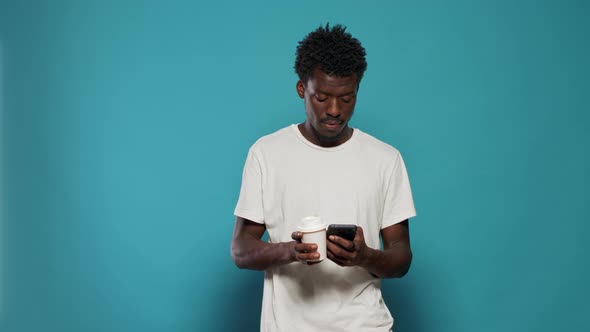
[{"x": 314, "y": 231}]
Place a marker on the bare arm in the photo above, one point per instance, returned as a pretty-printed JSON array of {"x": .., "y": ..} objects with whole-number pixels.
[
  {"x": 392, "y": 262},
  {"x": 249, "y": 252},
  {"x": 396, "y": 257}
]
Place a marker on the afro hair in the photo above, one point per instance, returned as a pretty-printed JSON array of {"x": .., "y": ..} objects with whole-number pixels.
[{"x": 332, "y": 50}]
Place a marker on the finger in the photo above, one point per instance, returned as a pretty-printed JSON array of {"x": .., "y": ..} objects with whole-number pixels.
[
  {"x": 308, "y": 256},
  {"x": 360, "y": 235},
  {"x": 338, "y": 252},
  {"x": 344, "y": 243},
  {"x": 306, "y": 247},
  {"x": 335, "y": 259},
  {"x": 296, "y": 236},
  {"x": 359, "y": 239},
  {"x": 347, "y": 258}
]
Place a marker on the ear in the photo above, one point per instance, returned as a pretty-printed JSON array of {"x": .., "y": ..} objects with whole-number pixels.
[{"x": 300, "y": 89}]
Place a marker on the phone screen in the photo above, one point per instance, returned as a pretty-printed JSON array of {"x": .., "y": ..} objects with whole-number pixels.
[{"x": 346, "y": 231}]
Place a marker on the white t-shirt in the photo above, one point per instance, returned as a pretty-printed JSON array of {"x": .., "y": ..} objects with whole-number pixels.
[{"x": 362, "y": 181}]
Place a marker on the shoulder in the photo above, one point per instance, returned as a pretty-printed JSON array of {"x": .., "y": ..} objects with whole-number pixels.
[
  {"x": 274, "y": 141},
  {"x": 377, "y": 147}
]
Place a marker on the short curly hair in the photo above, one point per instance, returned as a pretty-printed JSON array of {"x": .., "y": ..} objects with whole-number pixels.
[{"x": 332, "y": 50}]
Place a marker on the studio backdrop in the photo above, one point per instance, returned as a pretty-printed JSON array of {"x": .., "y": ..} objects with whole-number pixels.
[{"x": 125, "y": 126}]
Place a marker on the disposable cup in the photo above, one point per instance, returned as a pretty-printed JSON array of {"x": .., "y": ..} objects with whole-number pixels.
[{"x": 314, "y": 231}]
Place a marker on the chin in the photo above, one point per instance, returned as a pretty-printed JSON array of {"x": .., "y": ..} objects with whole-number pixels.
[
  {"x": 330, "y": 135},
  {"x": 327, "y": 134}
]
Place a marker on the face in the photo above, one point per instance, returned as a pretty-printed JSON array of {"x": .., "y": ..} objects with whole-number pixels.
[{"x": 329, "y": 104}]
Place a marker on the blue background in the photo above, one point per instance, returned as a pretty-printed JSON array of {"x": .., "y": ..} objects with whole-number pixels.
[{"x": 125, "y": 125}]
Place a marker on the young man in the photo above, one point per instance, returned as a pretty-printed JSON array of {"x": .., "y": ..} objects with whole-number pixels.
[{"x": 325, "y": 168}]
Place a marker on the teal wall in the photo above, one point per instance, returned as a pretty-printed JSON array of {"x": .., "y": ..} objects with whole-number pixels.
[{"x": 126, "y": 125}]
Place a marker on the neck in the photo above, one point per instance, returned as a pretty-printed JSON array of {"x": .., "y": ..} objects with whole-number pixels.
[{"x": 314, "y": 137}]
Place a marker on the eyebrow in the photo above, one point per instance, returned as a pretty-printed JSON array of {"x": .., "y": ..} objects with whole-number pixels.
[{"x": 351, "y": 93}]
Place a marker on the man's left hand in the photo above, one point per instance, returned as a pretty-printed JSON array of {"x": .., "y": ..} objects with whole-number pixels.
[{"x": 347, "y": 253}]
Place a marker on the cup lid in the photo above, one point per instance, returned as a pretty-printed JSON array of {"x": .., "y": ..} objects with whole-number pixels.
[{"x": 311, "y": 224}]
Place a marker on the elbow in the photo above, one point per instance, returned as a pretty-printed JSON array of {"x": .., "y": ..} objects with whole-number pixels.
[
  {"x": 402, "y": 266},
  {"x": 237, "y": 257},
  {"x": 244, "y": 262},
  {"x": 405, "y": 267},
  {"x": 402, "y": 273},
  {"x": 242, "y": 258},
  {"x": 240, "y": 263},
  {"x": 237, "y": 261}
]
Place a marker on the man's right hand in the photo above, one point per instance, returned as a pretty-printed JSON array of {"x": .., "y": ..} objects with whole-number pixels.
[
  {"x": 249, "y": 252},
  {"x": 304, "y": 252}
]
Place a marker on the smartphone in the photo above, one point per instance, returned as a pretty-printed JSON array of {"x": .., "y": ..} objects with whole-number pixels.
[{"x": 343, "y": 230}]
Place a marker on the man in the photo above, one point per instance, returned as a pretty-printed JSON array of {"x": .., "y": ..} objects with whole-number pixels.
[{"x": 325, "y": 168}]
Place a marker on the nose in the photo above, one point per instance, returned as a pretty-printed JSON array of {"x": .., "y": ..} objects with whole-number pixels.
[{"x": 333, "y": 108}]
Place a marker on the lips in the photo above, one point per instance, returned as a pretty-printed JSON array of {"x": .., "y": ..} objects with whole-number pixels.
[
  {"x": 331, "y": 122},
  {"x": 332, "y": 125}
]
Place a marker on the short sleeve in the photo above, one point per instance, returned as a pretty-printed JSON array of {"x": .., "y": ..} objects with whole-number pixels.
[
  {"x": 250, "y": 202},
  {"x": 399, "y": 203}
]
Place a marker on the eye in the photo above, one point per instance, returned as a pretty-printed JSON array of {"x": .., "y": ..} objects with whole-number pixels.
[
  {"x": 321, "y": 99},
  {"x": 346, "y": 99}
]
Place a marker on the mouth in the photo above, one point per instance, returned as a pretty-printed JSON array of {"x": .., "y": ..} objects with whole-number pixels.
[{"x": 332, "y": 124}]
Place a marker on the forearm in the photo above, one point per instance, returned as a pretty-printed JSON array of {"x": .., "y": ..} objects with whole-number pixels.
[
  {"x": 393, "y": 262},
  {"x": 255, "y": 254}
]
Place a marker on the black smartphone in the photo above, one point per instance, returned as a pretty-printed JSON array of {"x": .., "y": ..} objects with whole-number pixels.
[{"x": 343, "y": 230}]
